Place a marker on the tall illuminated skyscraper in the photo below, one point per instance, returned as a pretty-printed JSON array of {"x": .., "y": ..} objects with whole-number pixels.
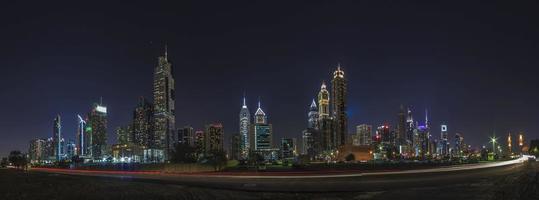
[
  {"x": 245, "y": 123},
  {"x": 339, "y": 106},
  {"x": 57, "y": 137},
  {"x": 325, "y": 139},
  {"x": 261, "y": 132},
  {"x": 143, "y": 123},
  {"x": 214, "y": 138},
  {"x": 401, "y": 127},
  {"x": 309, "y": 134},
  {"x": 97, "y": 127},
  {"x": 164, "y": 101}
]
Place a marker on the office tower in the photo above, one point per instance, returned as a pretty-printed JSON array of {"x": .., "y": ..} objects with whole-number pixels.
[
  {"x": 288, "y": 148},
  {"x": 325, "y": 140},
  {"x": 245, "y": 123},
  {"x": 309, "y": 134},
  {"x": 164, "y": 101},
  {"x": 422, "y": 142},
  {"x": 97, "y": 122},
  {"x": 401, "y": 127},
  {"x": 70, "y": 149},
  {"x": 457, "y": 149},
  {"x": 364, "y": 134},
  {"x": 123, "y": 134},
  {"x": 214, "y": 138},
  {"x": 57, "y": 137},
  {"x": 410, "y": 129},
  {"x": 37, "y": 150},
  {"x": 313, "y": 116},
  {"x": 339, "y": 107},
  {"x": 385, "y": 134},
  {"x": 261, "y": 131},
  {"x": 143, "y": 123},
  {"x": 186, "y": 136},
  {"x": 83, "y": 139},
  {"x": 235, "y": 152},
  {"x": 200, "y": 144},
  {"x": 444, "y": 141}
]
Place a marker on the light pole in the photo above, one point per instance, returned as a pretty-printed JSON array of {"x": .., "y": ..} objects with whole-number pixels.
[{"x": 493, "y": 140}]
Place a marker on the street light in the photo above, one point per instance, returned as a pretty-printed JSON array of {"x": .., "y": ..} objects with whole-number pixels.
[{"x": 493, "y": 140}]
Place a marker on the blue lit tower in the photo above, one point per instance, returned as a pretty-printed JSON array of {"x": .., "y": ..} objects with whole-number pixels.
[
  {"x": 164, "y": 101},
  {"x": 309, "y": 134},
  {"x": 82, "y": 143},
  {"x": 313, "y": 116},
  {"x": 245, "y": 123},
  {"x": 57, "y": 137}
]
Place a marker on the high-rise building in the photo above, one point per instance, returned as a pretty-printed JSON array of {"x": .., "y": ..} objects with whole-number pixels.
[
  {"x": 143, "y": 134},
  {"x": 200, "y": 143},
  {"x": 364, "y": 134},
  {"x": 245, "y": 123},
  {"x": 214, "y": 138},
  {"x": 401, "y": 127},
  {"x": 97, "y": 127},
  {"x": 325, "y": 140},
  {"x": 70, "y": 149},
  {"x": 339, "y": 106},
  {"x": 123, "y": 134},
  {"x": 186, "y": 136},
  {"x": 459, "y": 143},
  {"x": 235, "y": 152},
  {"x": 84, "y": 137},
  {"x": 288, "y": 148},
  {"x": 313, "y": 116},
  {"x": 422, "y": 142},
  {"x": 37, "y": 152},
  {"x": 309, "y": 134},
  {"x": 261, "y": 131},
  {"x": 444, "y": 141},
  {"x": 57, "y": 138},
  {"x": 164, "y": 101}
]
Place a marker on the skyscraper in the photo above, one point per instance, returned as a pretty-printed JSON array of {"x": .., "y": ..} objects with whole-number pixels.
[
  {"x": 364, "y": 134},
  {"x": 245, "y": 123},
  {"x": 339, "y": 106},
  {"x": 313, "y": 116},
  {"x": 37, "y": 152},
  {"x": 83, "y": 137},
  {"x": 57, "y": 137},
  {"x": 235, "y": 152},
  {"x": 401, "y": 127},
  {"x": 444, "y": 141},
  {"x": 261, "y": 132},
  {"x": 123, "y": 134},
  {"x": 186, "y": 136},
  {"x": 288, "y": 148},
  {"x": 164, "y": 101},
  {"x": 309, "y": 134},
  {"x": 325, "y": 139},
  {"x": 214, "y": 138},
  {"x": 97, "y": 127},
  {"x": 143, "y": 123}
]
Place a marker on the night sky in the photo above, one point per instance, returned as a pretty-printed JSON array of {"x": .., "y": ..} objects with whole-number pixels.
[{"x": 474, "y": 66}]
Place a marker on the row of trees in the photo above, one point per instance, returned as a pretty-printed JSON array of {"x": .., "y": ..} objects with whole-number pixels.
[{"x": 187, "y": 154}]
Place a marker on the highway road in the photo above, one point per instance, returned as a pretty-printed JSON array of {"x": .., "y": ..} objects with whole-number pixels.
[{"x": 353, "y": 182}]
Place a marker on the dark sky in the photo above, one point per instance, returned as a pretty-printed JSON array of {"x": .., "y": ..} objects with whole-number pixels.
[{"x": 473, "y": 65}]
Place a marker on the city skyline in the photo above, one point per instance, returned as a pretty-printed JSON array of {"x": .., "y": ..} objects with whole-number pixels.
[{"x": 471, "y": 100}]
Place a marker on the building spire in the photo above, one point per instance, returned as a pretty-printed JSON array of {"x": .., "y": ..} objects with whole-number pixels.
[
  {"x": 244, "y": 104},
  {"x": 426, "y": 117},
  {"x": 166, "y": 52}
]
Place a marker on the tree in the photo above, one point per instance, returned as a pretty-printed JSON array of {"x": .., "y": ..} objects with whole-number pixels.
[
  {"x": 4, "y": 163},
  {"x": 217, "y": 159},
  {"x": 350, "y": 157},
  {"x": 183, "y": 154},
  {"x": 17, "y": 159}
]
